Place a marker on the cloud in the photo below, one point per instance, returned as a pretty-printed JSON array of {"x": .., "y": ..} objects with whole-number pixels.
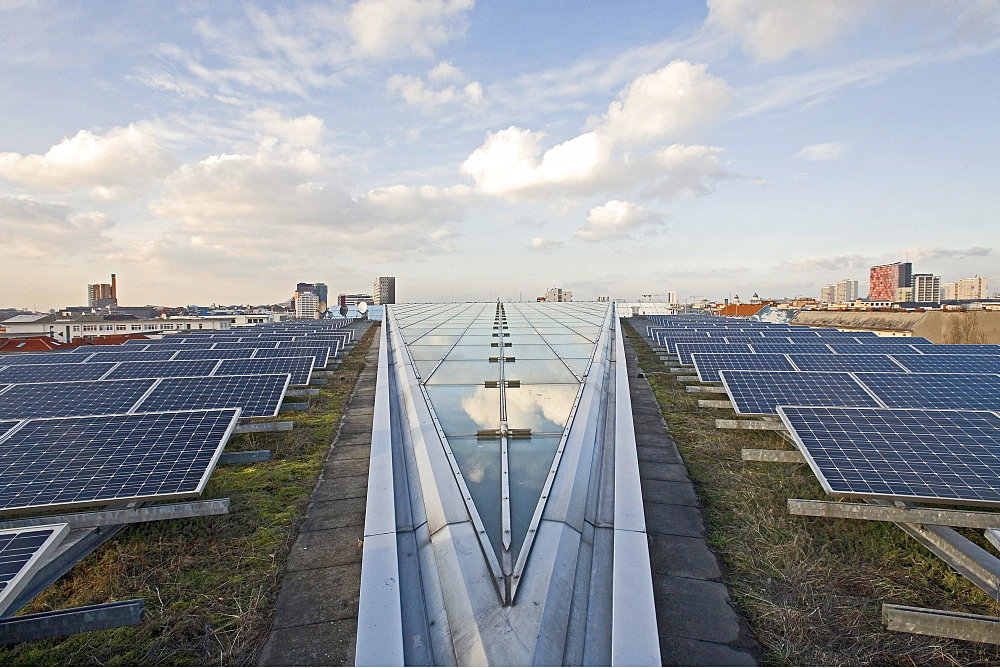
[
  {"x": 301, "y": 132},
  {"x": 542, "y": 244},
  {"x": 769, "y": 31},
  {"x": 824, "y": 152},
  {"x": 618, "y": 220},
  {"x": 121, "y": 157},
  {"x": 928, "y": 254},
  {"x": 41, "y": 229},
  {"x": 386, "y": 28},
  {"x": 621, "y": 151},
  {"x": 830, "y": 263},
  {"x": 416, "y": 92}
]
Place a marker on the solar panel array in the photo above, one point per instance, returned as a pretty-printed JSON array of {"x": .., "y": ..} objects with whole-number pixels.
[
  {"x": 881, "y": 417},
  {"x": 22, "y": 551}
]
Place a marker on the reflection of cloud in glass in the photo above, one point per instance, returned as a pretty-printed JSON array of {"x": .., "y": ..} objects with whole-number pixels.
[
  {"x": 483, "y": 406},
  {"x": 535, "y": 407}
]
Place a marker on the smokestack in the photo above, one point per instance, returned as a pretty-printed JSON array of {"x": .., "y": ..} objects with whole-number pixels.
[{"x": 114, "y": 289}]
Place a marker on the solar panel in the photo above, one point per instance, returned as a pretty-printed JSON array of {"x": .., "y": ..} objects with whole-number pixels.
[
  {"x": 7, "y": 425},
  {"x": 865, "y": 349},
  {"x": 72, "y": 461},
  {"x": 960, "y": 349},
  {"x": 708, "y": 365},
  {"x": 42, "y": 373},
  {"x": 127, "y": 356},
  {"x": 745, "y": 338},
  {"x": 180, "y": 346},
  {"x": 89, "y": 397},
  {"x": 685, "y": 350},
  {"x": 808, "y": 348},
  {"x": 761, "y": 392},
  {"x": 935, "y": 390},
  {"x": 214, "y": 354},
  {"x": 300, "y": 368},
  {"x": 896, "y": 340},
  {"x": 168, "y": 369},
  {"x": 937, "y": 363},
  {"x": 846, "y": 363},
  {"x": 44, "y": 358},
  {"x": 259, "y": 395},
  {"x": 251, "y": 343},
  {"x": 320, "y": 354},
  {"x": 22, "y": 552},
  {"x": 903, "y": 454}
]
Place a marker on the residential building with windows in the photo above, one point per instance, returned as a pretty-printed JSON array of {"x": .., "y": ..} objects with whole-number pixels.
[
  {"x": 558, "y": 295},
  {"x": 973, "y": 288},
  {"x": 885, "y": 278},
  {"x": 384, "y": 290},
  {"x": 306, "y": 305},
  {"x": 926, "y": 288}
]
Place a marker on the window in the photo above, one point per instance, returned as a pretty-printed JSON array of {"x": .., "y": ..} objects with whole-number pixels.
[
  {"x": 136, "y": 328},
  {"x": 121, "y": 328}
]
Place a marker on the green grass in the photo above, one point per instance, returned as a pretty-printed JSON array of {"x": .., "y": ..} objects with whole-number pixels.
[
  {"x": 810, "y": 588},
  {"x": 209, "y": 583}
]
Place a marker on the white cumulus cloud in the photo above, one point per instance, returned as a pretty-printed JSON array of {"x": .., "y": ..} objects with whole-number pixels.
[
  {"x": 416, "y": 91},
  {"x": 102, "y": 162},
  {"x": 384, "y": 28},
  {"x": 825, "y": 152},
  {"x": 543, "y": 244},
  {"x": 34, "y": 228},
  {"x": 616, "y": 220}
]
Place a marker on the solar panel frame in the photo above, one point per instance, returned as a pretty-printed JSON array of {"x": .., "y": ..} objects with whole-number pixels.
[
  {"x": 321, "y": 355},
  {"x": 241, "y": 353},
  {"x": 761, "y": 392},
  {"x": 23, "y": 551},
  {"x": 43, "y": 358},
  {"x": 814, "y": 348},
  {"x": 257, "y": 395},
  {"x": 75, "y": 398},
  {"x": 959, "y": 349},
  {"x": 30, "y": 482},
  {"x": 40, "y": 373},
  {"x": 138, "y": 356},
  {"x": 685, "y": 350},
  {"x": 300, "y": 368},
  {"x": 928, "y": 456},
  {"x": 163, "y": 369},
  {"x": 935, "y": 391},
  {"x": 864, "y": 349},
  {"x": 708, "y": 365},
  {"x": 946, "y": 363},
  {"x": 850, "y": 363}
]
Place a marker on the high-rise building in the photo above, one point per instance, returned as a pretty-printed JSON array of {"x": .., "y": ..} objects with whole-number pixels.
[
  {"x": 926, "y": 288},
  {"x": 306, "y": 305},
  {"x": 558, "y": 295},
  {"x": 841, "y": 292},
  {"x": 826, "y": 293},
  {"x": 973, "y": 288},
  {"x": 671, "y": 297},
  {"x": 353, "y": 300},
  {"x": 885, "y": 278},
  {"x": 384, "y": 290},
  {"x": 949, "y": 291},
  {"x": 101, "y": 295}
]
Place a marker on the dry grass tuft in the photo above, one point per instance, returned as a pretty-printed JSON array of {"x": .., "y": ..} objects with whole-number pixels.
[{"x": 811, "y": 588}]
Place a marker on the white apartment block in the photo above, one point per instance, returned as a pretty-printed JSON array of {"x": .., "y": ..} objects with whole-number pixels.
[
  {"x": 384, "y": 290},
  {"x": 926, "y": 288},
  {"x": 841, "y": 292},
  {"x": 306, "y": 305},
  {"x": 973, "y": 288},
  {"x": 558, "y": 295}
]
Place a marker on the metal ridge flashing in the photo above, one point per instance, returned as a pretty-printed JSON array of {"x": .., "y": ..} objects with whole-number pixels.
[
  {"x": 634, "y": 635},
  {"x": 380, "y": 617}
]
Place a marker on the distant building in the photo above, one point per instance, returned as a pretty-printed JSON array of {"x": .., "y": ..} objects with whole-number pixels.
[
  {"x": 558, "y": 295},
  {"x": 353, "y": 300},
  {"x": 384, "y": 290},
  {"x": 101, "y": 295},
  {"x": 884, "y": 279},
  {"x": 949, "y": 291},
  {"x": 306, "y": 305},
  {"x": 973, "y": 288},
  {"x": 671, "y": 297},
  {"x": 321, "y": 292},
  {"x": 926, "y": 288}
]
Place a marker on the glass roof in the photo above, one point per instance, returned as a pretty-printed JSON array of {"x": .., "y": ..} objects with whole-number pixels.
[{"x": 502, "y": 379}]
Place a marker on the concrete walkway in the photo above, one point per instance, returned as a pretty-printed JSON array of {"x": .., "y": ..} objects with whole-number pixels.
[
  {"x": 698, "y": 626},
  {"x": 316, "y": 615}
]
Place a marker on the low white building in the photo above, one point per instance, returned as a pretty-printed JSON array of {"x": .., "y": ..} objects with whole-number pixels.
[
  {"x": 558, "y": 295},
  {"x": 67, "y": 329}
]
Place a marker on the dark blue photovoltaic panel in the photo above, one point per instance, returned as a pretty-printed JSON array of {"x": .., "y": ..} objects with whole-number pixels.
[
  {"x": 88, "y": 397},
  {"x": 128, "y": 356},
  {"x": 319, "y": 354},
  {"x": 259, "y": 396},
  {"x": 744, "y": 338},
  {"x": 685, "y": 350},
  {"x": 805, "y": 348},
  {"x": 896, "y": 340},
  {"x": 179, "y": 346},
  {"x": 708, "y": 365},
  {"x": 865, "y": 349},
  {"x": 883, "y": 363},
  {"x": 935, "y": 390},
  {"x": 44, "y": 373},
  {"x": 300, "y": 368},
  {"x": 670, "y": 341},
  {"x": 53, "y": 462},
  {"x": 940, "y": 363},
  {"x": 214, "y": 354},
  {"x": 761, "y": 392},
  {"x": 915, "y": 455},
  {"x": 21, "y": 553},
  {"x": 960, "y": 349},
  {"x": 7, "y": 425},
  {"x": 242, "y": 345},
  {"x": 44, "y": 358},
  {"x": 168, "y": 369}
]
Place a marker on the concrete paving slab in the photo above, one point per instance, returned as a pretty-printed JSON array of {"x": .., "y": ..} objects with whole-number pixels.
[
  {"x": 658, "y": 454},
  {"x": 682, "y": 556},
  {"x": 310, "y": 597},
  {"x": 697, "y": 609},
  {"x": 324, "y": 644},
  {"x": 662, "y": 471},
  {"x": 678, "y": 492},
  {"x": 326, "y": 547},
  {"x": 335, "y": 514},
  {"x": 676, "y": 520},
  {"x": 341, "y": 488},
  {"x": 347, "y": 451},
  {"x": 676, "y": 651},
  {"x": 346, "y": 468}
]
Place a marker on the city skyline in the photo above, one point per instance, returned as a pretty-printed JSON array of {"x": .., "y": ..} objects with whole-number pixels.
[{"x": 216, "y": 152}]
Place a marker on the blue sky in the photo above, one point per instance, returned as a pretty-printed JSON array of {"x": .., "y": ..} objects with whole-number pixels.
[{"x": 222, "y": 152}]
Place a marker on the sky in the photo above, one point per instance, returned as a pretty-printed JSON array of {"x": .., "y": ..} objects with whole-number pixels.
[{"x": 221, "y": 152}]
